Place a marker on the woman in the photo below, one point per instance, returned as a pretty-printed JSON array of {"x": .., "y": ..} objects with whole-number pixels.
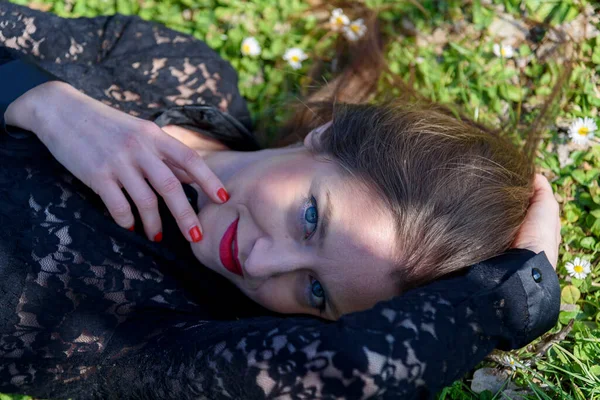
[{"x": 90, "y": 309}]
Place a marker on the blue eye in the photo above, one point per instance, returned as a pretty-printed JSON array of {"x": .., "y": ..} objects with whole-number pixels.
[
  {"x": 317, "y": 295},
  {"x": 311, "y": 217}
]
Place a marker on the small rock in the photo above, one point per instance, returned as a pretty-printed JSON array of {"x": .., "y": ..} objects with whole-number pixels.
[
  {"x": 282, "y": 28},
  {"x": 187, "y": 14},
  {"x": 491, "y": 379},
  {"x": 508, "y": 30},
  {"x": 438, "y": 38},
  {"x": 563, "y": 123},
  {"x": 578, "y": 30},
  {"x": 564, "y": 155}
]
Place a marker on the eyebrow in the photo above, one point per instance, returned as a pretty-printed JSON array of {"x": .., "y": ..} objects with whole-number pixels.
[
  {"x": 327, "y": 211},
  {"x": 323, "y": 230}
]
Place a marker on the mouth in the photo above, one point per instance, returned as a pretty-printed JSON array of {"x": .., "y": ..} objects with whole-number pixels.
[{"x": 228, "y": 250}]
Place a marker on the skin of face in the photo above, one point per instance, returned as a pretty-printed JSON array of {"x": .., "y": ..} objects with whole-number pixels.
[{"x": 286, "y": 267}]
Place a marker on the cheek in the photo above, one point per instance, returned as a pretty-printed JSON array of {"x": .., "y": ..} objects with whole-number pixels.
[{"x": 279, "y": 294}]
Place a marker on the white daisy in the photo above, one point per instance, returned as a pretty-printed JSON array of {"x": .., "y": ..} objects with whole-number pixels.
[
  {"x": 250, "y": 47},
  {"x": 338, "y": 20},
  {"x": 578, "y": 268},
  {"x": 294, "y": 57},
  {"x": 510, "y": 361},
  {"x": 355, "y": 30},
  {"x": 582, "y": 130},
  {"x": 503, "y": 50}
]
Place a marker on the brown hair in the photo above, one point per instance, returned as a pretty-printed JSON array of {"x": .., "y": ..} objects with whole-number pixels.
[{"x": 458, "y": 190}]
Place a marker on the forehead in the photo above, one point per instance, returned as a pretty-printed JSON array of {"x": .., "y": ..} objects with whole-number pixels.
[{"x": 358, "y": 257}]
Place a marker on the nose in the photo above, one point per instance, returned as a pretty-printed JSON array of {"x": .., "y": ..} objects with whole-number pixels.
[{"x": 270, "y": 257}]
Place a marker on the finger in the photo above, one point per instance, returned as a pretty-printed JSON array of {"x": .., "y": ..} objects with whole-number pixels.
[
  {"x": 144, "y": 199},
  {"x": 543, "y": 192},
  {"x": 541, "y": 185},
  {"x": 179, "y": 173},
  {"x": 117, "y": 204},
  {"x": 190, "y": 161},
  {"x": 169, "y": 187}
]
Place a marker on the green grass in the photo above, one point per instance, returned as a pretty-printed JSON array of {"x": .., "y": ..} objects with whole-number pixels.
[{"x": 451, "y": 62}]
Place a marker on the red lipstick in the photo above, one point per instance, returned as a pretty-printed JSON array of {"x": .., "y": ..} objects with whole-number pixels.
[{"x": 228, "y": 249}]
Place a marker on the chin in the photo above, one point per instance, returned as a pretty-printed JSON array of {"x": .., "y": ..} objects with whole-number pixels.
[{"x": 205, "y": 261}]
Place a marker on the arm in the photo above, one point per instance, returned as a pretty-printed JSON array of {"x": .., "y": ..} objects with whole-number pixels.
[
  {"x": 26, "y": 87},
  {"x": 409, "y": 347},
  {"x": 109, "y": 150}
]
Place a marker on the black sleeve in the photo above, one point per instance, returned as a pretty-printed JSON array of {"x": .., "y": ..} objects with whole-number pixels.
[
  {"x": 137, "y": 66},
  {"x": 409, "y": 347}
]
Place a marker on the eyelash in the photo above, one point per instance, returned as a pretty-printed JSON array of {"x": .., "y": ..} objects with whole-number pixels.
[
  {"x": 309, "y": 203},
  {"x": 321, "y": 307}
]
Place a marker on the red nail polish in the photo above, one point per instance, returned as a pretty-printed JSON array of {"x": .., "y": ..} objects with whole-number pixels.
[
  {"x": 158, "y": 237},
  {"x": 196, "y": 234},
  {"x": 223, "y": 195},
  {"x": 132, "y": 228}
]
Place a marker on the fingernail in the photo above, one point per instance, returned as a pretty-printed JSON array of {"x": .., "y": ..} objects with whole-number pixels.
[
  {"x": 322, "y": 128},
  {"x": 132, "y": 228},
  {"x": 223, "y": 195},
  {"x": 158, "y": 237},
  {"x": 196, "y": 234}
]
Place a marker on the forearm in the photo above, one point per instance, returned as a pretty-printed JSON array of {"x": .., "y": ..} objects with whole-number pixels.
[
  {"x": 409, "y": 347},
  {"x": 33, "y": 111}
]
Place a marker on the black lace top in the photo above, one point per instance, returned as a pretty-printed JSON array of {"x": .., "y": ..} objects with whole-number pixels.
[{"x": 91, "y": 310}]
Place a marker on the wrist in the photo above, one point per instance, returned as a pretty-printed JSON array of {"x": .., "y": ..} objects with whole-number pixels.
[
  {"x": 519, "y": 297},
  {"x": 30, "y": 110}
]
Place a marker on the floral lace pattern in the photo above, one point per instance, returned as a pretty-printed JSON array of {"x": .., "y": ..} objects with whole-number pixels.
[
  {"x": 90, "y": 310},
  {"x": 72, "y": 277},
  {"x": 125, "y": 62}
]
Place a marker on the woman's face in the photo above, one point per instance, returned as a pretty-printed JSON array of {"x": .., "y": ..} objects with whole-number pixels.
[{"x": 309, "y": 239}]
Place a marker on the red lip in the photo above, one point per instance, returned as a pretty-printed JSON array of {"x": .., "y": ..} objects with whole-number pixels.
[{"x": 229, "y": 256}]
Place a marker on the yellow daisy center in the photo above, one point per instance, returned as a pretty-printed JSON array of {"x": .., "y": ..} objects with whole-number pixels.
[
  {"x": 578, "y": 269},
  {"x": 355, "y": 28},
  {"x": 295, "y": 58},
  {"x": 502, "y": 51},
  {"x": 339, "y": 20},
  {"x": 583, "y": 130},
  {"x": 246, "y": 48}
]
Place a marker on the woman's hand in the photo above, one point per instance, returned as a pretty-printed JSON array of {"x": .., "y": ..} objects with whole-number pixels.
[
  {"x": 540, "y": 230},
  {"x": 108, "y": 150}
]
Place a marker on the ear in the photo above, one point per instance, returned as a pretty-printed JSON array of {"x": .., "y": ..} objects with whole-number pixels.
[{"x": 314, "y": 135}]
